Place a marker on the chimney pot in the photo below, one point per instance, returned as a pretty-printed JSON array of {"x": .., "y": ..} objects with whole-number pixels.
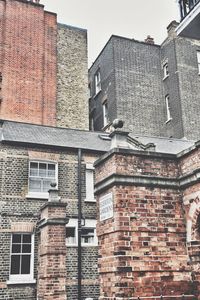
[{"x": 149, "y": 40}]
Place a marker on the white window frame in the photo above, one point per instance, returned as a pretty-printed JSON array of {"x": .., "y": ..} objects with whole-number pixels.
[
  {"x": 165, "y": 70},
  {"x": 198, "y": 61},
  {"x": 23, "y": 278},
  {"x": 105, "y": 113},
  {"x": 73, "y": 223},
  {"x": 169, "y": 118},
  {"x": 89, "y": 183},
  {"x": 97, "y": 81},
  {"x": 89, "y": 223},
  {"x": 41, "y": 195}
]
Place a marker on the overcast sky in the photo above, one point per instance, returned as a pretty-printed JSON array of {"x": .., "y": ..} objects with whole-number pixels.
[{"x": 129, "y": 18}]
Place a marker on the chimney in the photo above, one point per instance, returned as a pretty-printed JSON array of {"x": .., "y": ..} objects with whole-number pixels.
[
  {"x": 149, "y": 40},
  {"x": 171, "y": 29}
]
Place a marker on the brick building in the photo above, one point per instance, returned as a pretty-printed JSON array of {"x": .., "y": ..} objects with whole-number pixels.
[
  {"x": 154, "y": 88},
  {"x": 43, "y": 67},
  {"x": 148, "y": 221},
  {"x": 149, "y": 233},
  {"x": 32, "y": 156}
]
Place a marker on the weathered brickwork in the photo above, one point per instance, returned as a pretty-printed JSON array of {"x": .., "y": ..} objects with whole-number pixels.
[
  {"x": 72, "y": 80},
  {"x": 16, "y": 209},
  {"x": 43, "y": 67},
  {"x": 28, "y": 63},
  {"x": 150, "y": 247}
]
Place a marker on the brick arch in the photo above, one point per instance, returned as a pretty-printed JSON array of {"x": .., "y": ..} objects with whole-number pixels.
[{"x": 193, "y": 213}]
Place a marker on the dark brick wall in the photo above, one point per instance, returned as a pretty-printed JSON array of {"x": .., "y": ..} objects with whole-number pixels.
[
  {"x": 189, "y": 85},
  {"x": 105, "y": 64},
  {"x": 174, "y": 127},
  {"x": 136, "y": 90},
  {"x": 138, "y": 86}
]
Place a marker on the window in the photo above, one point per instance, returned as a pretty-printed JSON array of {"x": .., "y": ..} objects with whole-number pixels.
[
  {"x": 72, "y": 233},
  {"x": 41, "y": 175},
  {"x": 89, "y": 183},
  {"x": 198, "y": 61},
  {"x": 21, "y": 261},
  {"x": 88, "y": 233},
  {"x": 168, "y": 108},
  {"x": 105, "y": 113},
  {"x": 165, "y": 70},
  {"x": 97, "y": 79}
]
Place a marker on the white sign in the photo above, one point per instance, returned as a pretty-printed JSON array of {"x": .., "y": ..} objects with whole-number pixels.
[{"x": 106, "y": 207}]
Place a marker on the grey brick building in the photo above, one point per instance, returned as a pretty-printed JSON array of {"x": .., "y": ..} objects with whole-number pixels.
[{"x": 154, "y": 88}]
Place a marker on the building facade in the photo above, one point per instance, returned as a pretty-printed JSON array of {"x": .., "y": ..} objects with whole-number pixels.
[
  {"x": 153, "y": 88},
  {"x": 148, "y": 237},
  {"x": 32, "y": 157},
  {"x": 148, "y": 222}
]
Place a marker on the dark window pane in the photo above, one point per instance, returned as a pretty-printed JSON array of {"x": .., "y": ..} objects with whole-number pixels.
[
  {"x": 15, "y": 264},
  {"x": 42, "y": 170},
  {"x": 16, "y": 238},
  {"x": 70, "y": 232},
  {"x": 27, "y": 238},
  {"x": 26, "y": 248},
  {"x": 25, "y": 268},
  {"x": 16, "y": 248}
]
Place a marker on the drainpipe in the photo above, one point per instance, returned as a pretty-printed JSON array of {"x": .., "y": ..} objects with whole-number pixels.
[{"x": 79, "y": 225}]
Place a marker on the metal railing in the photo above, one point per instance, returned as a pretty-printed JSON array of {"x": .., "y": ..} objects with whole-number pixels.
[{"x": 186, "y": 6}]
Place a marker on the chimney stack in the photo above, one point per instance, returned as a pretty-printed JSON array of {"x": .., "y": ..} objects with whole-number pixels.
[
  {"x": 171, "y": 29},
  {"x": 149, "y": 40}
]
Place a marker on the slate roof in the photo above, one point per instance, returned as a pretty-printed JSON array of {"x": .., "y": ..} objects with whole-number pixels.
[
  {"x": 165, "y": 145},
  {"x": 54, "y": 136},
  {"x": 15, "y": 132}
]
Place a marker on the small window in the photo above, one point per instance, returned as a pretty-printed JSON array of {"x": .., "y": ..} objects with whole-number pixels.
[
  {"x": 97, "y": 79},
  {"x": 105, "y": 113},
  {"x": 21, "y": 260},
  {"x": 168, "y": 108},
  {"x": 198, "y": 61},
  {"x": 165, "y": 71},
  {"x": 88, "y": 233},
  {"x": 89, "y": 183},
  {"x": 41, "y": 175}
]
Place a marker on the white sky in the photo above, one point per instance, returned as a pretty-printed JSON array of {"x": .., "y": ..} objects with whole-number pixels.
[{"x": 129, "y": 18}]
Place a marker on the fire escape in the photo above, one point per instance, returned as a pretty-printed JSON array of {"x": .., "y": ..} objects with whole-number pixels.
[{"x": 190, "y": 19}]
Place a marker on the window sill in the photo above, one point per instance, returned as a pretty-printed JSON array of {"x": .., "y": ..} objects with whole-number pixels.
[
  {"x": 165, "y": 77},
  {"x": 42, "y": 196},
  {"x": 169, "y": 120},
  {"x": 90, "y": 200},
  {"x": 14, "y": 282},
  {"x": 97, "y": 94}
]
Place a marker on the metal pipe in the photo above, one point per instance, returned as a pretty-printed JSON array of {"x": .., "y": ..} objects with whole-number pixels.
[{"x": 79, "y": 225}]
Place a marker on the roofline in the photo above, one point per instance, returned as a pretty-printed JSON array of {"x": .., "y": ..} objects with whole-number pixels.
[
  {"x": 56, "y": 127},
  {"x": 55, "y": 147},
  {"x": 124, "y": 38},
  {"x": 72, "y": 27}
]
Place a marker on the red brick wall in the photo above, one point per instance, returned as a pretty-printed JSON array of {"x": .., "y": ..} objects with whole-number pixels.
[
  {"x": 143, "y": 251},
  {"x": 28, "y": 62},
  {"x": 52, "y": 253}
]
